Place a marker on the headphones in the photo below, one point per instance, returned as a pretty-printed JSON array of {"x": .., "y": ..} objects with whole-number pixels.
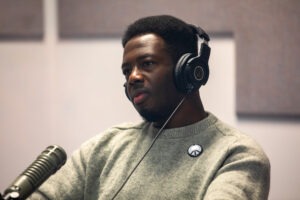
[{"x": 191, "y": 71}]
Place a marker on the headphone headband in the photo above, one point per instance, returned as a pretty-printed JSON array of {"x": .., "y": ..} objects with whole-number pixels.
[{"x": 200, "y": 32}]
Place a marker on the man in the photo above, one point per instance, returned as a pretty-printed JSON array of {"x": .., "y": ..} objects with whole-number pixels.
[{"x": 179, "y": 151}]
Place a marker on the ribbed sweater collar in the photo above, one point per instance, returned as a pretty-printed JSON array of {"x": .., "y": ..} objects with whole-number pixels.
[{"x": 189, "y": 130}]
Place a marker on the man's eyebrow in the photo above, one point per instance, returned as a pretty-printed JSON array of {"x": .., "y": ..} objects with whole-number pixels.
[
  {"x": 139, "y": 58},
  {"x": 125, "y": 64},
  {"x": 148, "y": 55}
]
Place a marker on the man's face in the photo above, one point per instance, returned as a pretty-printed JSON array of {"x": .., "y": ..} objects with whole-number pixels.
[{"x": 148, "y": 69}]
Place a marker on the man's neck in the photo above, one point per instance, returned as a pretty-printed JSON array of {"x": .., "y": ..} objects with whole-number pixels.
[{"x": 191, "y": 111}]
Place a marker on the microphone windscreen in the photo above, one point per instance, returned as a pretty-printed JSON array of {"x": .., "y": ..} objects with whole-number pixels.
[{"x": 46, "y": 164}]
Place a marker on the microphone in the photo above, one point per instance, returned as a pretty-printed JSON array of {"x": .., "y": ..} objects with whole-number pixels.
[{"x": 46, "y": 164}]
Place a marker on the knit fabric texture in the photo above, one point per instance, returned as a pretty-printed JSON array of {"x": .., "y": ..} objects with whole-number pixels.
[{"x": 231, "y": 165}]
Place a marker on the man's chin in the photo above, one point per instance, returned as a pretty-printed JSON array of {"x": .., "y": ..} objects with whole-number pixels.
[{"x": 150, "y": 116}]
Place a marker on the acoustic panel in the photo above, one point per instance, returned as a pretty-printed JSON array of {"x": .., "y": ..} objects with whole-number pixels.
[
  {"x": 268, "y": 72},
  {"x": 266, "y": 34},
  {"x": 21, "y": 19}
]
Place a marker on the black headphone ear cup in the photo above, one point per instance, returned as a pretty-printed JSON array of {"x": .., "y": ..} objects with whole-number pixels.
[
  {"x": 198, "y": 72},
  {"x": 181, "y": 81}
]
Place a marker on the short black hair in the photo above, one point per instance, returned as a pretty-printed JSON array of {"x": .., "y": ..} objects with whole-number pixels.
[{"x": 178, "y": 35}]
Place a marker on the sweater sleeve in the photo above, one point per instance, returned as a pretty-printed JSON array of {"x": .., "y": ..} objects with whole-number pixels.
[{"x": 245, "y": 174}]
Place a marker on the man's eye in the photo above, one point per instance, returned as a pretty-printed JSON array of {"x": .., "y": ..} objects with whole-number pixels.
[
  {"x": 147, "y": 63},
  {"x": 126, "y": 72}
]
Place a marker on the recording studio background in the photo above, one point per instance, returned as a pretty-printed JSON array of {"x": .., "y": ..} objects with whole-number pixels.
[{"x": 61, "y": 80}]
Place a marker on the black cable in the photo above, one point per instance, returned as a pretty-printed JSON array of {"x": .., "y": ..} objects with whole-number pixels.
[{"x": 149, "y": 148}]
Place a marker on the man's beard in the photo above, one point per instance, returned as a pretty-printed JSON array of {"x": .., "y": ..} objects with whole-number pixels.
[{"x": 152, "y": 116}]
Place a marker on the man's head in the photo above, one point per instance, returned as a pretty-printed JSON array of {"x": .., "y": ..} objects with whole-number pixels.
[
  {"x": 178, "y": 36},
  {"x": 152, "y": 47}
]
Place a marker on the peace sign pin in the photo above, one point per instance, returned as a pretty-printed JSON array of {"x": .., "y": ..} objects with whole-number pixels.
[{"x": 195, "y": 150}]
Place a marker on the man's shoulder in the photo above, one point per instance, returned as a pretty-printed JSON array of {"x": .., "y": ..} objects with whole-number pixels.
[
  {"x": 237, "y": 140},
  {"x": 114, "y": 135},
  {"x": 127, "y": 126},
  {"x": 226, "y": 130}
]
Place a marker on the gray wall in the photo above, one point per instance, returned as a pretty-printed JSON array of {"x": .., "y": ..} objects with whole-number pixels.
[{"x": 266, "y": 34}]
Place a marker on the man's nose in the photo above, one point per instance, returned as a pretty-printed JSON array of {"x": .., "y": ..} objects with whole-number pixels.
[{"x": 135, "y": 76}]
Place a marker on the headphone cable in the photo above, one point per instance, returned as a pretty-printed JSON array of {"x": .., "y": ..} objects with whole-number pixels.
[{"x": 149, "y": 148}]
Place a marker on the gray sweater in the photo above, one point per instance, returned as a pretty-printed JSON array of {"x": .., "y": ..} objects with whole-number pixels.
[{"x": 230, "y": 165}]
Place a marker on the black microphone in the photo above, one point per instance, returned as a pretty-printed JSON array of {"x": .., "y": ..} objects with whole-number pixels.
[{"x": 46, "y": 164}]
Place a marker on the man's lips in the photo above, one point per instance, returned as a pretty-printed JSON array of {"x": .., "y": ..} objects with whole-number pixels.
[{"x": 139, "y": 96}]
